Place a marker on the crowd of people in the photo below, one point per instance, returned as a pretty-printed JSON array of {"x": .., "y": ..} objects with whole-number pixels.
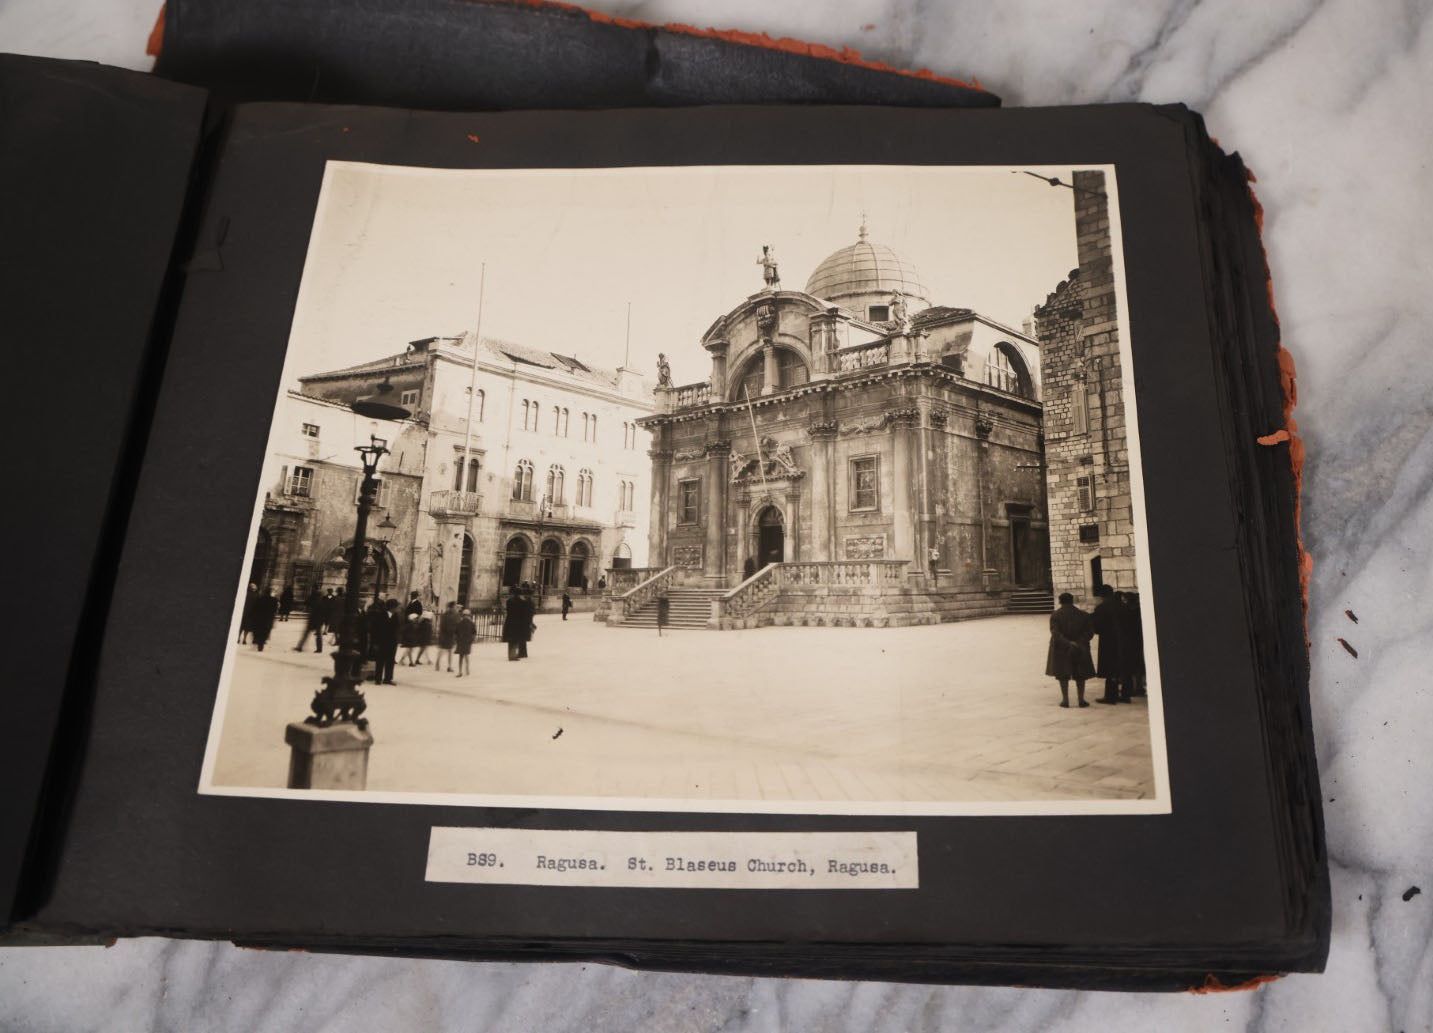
[
  {"x": 1116, "y": 624},
  {"x": 385, "y": 628}
]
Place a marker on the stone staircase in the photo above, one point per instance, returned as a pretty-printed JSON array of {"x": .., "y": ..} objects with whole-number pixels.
[
  {"x": 1030, "y": 600},
  {"x": 690, "y": 608}
]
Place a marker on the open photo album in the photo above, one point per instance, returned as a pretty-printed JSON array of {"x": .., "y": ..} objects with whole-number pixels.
[{"x": 849, "y": 541}]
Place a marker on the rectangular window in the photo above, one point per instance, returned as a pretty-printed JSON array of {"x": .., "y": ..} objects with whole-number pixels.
[
  {"x": 310, "y": 430},
  {"x": 865, "y": 483},
  {"x": 1079, "y": 409},
  {"x": 880, "y": 313},
  {"x": 690, "y": 501},
  {"x": 1090, "y": 534},
  {"x": 380, "y": 498},
  {"x": 300, "y": 482},
  {"x": 1085, "y": 492},
  {"x": 408, "y": 399}
]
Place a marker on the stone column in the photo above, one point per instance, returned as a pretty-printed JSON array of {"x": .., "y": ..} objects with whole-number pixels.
[
  {"x": 905, "y": 488},
  {"x": 983, "y": 428},
  {"x": 769, "y": 370},
  {"x": 717, "y": 516},
  {"x": 741, "y": 516},
  {"x": 791, "y": 551},
  {"x": 823, "y": 491},
  {"x": 718, "y": 350},
  {"x": 657, "y": 529}
]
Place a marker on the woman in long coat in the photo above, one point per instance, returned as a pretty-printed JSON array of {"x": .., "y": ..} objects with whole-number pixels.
[
  {"x": 1069, "y": 654},
  {"x": 262, "y": 619}
]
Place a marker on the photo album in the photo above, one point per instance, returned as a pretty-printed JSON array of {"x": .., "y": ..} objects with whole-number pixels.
[{"x": 831, "y": 540}]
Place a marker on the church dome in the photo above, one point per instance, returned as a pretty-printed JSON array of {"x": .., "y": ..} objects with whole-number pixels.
[{"x": 861, "y": 277}]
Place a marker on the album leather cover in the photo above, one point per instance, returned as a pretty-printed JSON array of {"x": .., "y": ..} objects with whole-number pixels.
[{"x": 841, "y": 541}]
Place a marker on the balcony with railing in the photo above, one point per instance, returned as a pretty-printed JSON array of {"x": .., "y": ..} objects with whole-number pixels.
[
  {"x": 451, "y": 504},
  {"x": 624, "y": 518}
]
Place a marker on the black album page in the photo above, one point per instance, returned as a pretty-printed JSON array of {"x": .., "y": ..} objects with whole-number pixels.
[{"x": 752, "y": 539}]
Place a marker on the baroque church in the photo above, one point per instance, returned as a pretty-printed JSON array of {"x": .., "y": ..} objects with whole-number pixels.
[{"x": 859, "y": 455}]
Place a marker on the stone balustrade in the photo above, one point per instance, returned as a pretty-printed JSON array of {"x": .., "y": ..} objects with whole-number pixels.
[
  {"x": 861, "y": 356},
  {"x": 690, "y": 395},
  {"x": 843, "y": 573},
  {"x": 749, "y": 596},
  {"x": 652, "y": 588}
]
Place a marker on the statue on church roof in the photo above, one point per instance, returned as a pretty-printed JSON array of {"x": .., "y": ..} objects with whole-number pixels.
[
  {"x": 769, "y": 273},
  {"x": 899, "y": 311},
  {"x": 664, "y": 371}
]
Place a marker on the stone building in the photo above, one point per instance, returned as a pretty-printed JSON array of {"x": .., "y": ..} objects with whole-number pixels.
[
  {"x": 310, "y": 484},
  {"x": 1086, "y": 449},
  {"x": 882, "y": 452},
  {"x": 544, "y": 488}
]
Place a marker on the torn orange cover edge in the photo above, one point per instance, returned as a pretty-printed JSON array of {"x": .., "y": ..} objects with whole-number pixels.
[
  {"x": 845, "y": 55},
  {"x": 1288, "y": 382}
]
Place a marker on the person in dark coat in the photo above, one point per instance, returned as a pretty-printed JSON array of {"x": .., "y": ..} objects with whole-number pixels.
[
  {"x": 517, "y": 622},
  {"x": 286, "y": 602},
  {"x": 383, "y": 641},
  {"x": 566, "y": 605},
  {"x": 1107, "y": 619},
  {"x": 664, "y": 610},
  {"x": 335, "y": 615},
  {"x": 1069, "y": 655},
  {"x": 262, "y": 620},
  {"x": 464, "y": 631},
  {"x": 447, "y": 633},
  {"x": 414, "y": 607},
  {"x": 313, "y": 623},
  {"x": 602, "y": 583},
  {"x": 246, "y": 614},
  {"x": 1132, "y": 643},
  {"x": 748, "y": 568},
  {"x": 408, "y": 636},
  {"x": 425, "y": 636}
]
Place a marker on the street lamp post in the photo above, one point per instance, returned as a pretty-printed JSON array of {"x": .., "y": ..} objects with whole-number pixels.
[{"x": 329, "y": 748}]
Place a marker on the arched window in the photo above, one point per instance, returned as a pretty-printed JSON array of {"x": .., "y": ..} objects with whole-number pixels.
[
  {"x": 479, "y": 403},
  {"x": 791, "y": 371},
  {"x": 470, "y": 483},
  {"x": 554, "y": 484},
  {"x": 585, "y": 420},
  {"x": 564, "y": 422},
  {"x": 1004, "y": 369},
  {"x": 584, "y": 487},
  {"x": 522, "y": 481}
]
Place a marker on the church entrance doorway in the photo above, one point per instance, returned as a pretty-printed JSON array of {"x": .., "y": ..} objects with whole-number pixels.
[
  {"x": 513, "y": 558},
  {"x": 770, "y": 537},
  {"x": 1029, "y": 549}
]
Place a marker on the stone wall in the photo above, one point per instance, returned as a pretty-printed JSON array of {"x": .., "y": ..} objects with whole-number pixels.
[{"x": 1088, "y": 477}]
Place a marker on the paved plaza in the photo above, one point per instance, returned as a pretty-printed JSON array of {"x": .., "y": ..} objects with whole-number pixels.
[{"x": 952, "y": 712}]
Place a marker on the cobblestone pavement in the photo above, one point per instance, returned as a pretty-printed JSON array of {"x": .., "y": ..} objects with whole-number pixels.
[{"x": 953, "y": 712}]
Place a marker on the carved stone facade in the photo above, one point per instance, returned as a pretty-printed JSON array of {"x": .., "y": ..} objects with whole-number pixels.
[{"x": 824, "y": 436}]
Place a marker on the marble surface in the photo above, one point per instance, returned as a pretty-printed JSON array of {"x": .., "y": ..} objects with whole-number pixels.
[{"x": 1328, "y": 100}]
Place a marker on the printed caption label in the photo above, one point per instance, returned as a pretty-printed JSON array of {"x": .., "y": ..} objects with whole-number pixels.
[{"x": 688, "y": 860}]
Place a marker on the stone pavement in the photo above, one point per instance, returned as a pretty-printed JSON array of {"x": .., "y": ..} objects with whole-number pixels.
[{"x": 945, "y": 713}]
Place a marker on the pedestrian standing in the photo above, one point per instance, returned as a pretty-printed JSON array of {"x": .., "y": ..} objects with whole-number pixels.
[
  {"x": 513, "y": 619},
  {"x": 385, "y": 630},
  {"x": 464, "y": 631},
  {"x": 1069, "y": 655},
  {"x": 286, "y": 602},
  {"x": 1107, "y": 620},
  {"x": 566, "y": 605},
  {"x": 447, "y": 630},
  {"x": 313, "y": 622},
  {"x": 335, "y": 614},
  {"x": 602, "y": 583},
  {"x": 1131, "y": 645},
  {"x": 529, "y": 619},
  {"x": 262, "y": 621},
  {"x": 664, "y": 610}
]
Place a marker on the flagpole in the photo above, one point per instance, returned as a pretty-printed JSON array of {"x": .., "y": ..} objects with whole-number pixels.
[
  {"x": 751, "y": 411},
  {"x": 473, "y": 382}
]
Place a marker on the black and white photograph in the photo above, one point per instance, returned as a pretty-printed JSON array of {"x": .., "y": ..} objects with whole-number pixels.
[{"x": 787, "y": 489}]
